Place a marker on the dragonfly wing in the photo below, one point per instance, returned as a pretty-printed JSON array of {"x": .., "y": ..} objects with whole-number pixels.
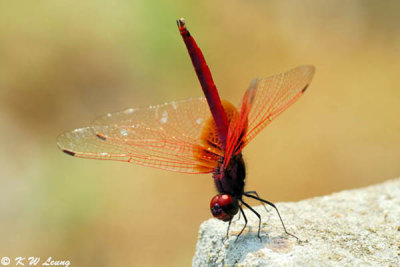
[
  {"x": 165, "y": 136},
  {"x": 263, "y": 101},
  {"x": 274, "y": 95},
  {"x": 238, "y": 128}
]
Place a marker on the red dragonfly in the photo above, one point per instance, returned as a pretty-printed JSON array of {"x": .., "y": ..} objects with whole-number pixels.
[{"x": 198, "y": 135}]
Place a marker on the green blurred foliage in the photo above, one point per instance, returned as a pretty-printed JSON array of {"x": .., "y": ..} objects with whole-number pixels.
[{"x": 63, "y": 63}]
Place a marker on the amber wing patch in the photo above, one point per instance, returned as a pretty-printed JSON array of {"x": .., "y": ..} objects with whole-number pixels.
[{"x": 209, "y": 150}]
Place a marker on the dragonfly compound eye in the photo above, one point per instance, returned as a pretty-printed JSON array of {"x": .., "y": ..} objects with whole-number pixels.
[{"x": 224, "y": 207}]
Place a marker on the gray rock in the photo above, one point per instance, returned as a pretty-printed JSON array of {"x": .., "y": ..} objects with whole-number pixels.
[{"x": 350, "y": 228}]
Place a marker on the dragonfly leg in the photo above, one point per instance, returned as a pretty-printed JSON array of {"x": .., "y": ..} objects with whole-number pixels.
[
  {"x": 239, "y": 213},
  {"x": 227, "y": 231},
  {"x": 272, "y": 205},
  {"x": 245, "y": 222},
  {"x": 255, "y": 193},
  {"x": 258, "y": 215}
]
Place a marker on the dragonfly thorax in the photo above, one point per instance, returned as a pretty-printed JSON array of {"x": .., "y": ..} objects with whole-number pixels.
[{"x": 229, "y": 181}]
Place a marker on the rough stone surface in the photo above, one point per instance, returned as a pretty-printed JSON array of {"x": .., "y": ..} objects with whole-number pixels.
[{"x": 350, "y": 228}]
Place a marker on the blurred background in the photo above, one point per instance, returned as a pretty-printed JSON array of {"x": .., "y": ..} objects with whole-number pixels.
[{"x": 64, "y": 63}]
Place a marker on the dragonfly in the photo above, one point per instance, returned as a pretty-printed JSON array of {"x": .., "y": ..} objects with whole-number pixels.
[{"x": 197, "y": 135}]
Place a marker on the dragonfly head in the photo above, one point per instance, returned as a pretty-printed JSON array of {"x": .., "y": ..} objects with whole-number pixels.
[{"x": 224, "y": 207}]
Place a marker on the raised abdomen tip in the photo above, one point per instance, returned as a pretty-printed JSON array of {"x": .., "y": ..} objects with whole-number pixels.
[{"x": 181, "y": 23}]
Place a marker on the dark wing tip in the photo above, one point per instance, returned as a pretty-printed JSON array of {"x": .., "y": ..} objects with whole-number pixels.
[
  {"x": 101, "y": 136},
  {"x": 305, "y": 88},
  {"x": 68, "y": 152}
]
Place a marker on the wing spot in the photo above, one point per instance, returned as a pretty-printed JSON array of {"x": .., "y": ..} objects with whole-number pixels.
[
  {"x": 199, "y": 121},
  {"x": 68, "y": 152},
  {"x": 304, "y": 89},
  {"x": 103, "y": 154},
  {"x": 109, "y": 115},
  {"x": 101, "y": 136},
  {"x": 124, "y": 132}
]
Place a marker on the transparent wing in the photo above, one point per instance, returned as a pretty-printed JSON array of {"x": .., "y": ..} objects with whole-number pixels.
[
  {"x": 165, "y": 136},
  {"x": 264, "y": 102},
  {"x": 238, "y": 128}
]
